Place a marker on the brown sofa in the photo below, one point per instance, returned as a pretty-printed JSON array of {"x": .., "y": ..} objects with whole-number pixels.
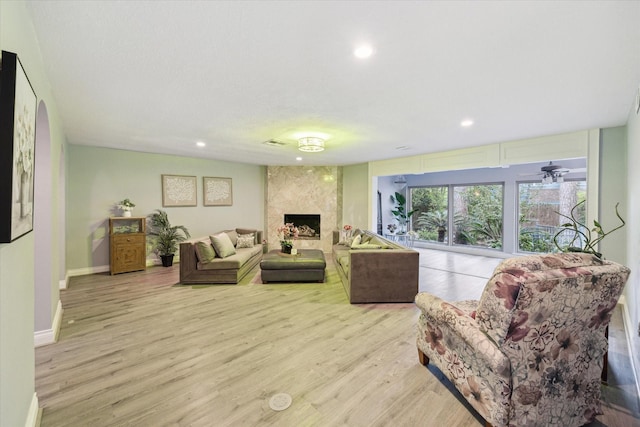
[
  {"x": 376, "y": 275},
  {"x": 219, "y": 270}
]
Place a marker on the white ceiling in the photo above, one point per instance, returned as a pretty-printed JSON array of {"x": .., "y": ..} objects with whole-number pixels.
[{"x": 159, "y": 76}]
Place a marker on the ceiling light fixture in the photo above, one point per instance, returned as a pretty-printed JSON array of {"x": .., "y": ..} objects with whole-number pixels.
[
  {"x": 311, "y": 144},
  {"x": 200, "y": 144},
  {"x": 363, "y": 51},
  {"x": 466, "y": 123}
]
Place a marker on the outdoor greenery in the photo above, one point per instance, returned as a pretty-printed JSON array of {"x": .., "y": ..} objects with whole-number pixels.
[{"x": 477, "y": 216}]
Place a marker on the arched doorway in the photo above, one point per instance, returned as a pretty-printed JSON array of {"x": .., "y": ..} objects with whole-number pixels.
[{"x": 43, "y": 229}]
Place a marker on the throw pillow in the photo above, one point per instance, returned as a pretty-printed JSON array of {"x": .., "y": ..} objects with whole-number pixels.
[
  {"x": 245, "y": 241},
  {"x": 205, "y": 252},
  {"x": 356, "y": 241},
  {"x": 245, "y": 231},
  {"x": 222, "y": 244},
  {"x": 366, "y": 246},
  {"x": 365, "y": 238},
  {"x": 233, "y": 236},
  {"x": 377, "y": 241}
]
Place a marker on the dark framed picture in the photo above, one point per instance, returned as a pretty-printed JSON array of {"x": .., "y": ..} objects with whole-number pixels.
[
  {"x": 217, "y": 191},
  {"x": 179, "y": 190},
  {"x": 18, "y": 104}
]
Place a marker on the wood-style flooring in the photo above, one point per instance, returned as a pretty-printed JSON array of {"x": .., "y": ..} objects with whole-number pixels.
[{"x": 135, "y": 349}]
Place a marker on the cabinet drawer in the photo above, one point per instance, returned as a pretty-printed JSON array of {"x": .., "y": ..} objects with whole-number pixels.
[{"x": 121, "y": 239}]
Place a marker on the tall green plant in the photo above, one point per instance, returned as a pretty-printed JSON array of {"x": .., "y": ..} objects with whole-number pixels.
[
  {"x": 166, "y": 236},
  {"x": 400, "y": 211},
  {"x": 588, "y": 239}
]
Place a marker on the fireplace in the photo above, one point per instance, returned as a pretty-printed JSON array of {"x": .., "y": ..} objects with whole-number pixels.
[{"x": 308, "y": 225}]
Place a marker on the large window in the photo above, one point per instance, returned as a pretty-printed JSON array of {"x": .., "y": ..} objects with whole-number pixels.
[
  {"x": 539, "y": 208},
  {"x": 477, "y": 215},
  {"x": 431, "y": 218}
]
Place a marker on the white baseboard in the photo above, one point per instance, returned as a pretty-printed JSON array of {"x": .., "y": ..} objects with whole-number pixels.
[
  {"x": 88, "y": 270},
  {"x": 49, "y": 336},
  {"x": 62, "y": 284},
  {"x": 32, "y": 415},
  {"x": 629, "y": 331}
]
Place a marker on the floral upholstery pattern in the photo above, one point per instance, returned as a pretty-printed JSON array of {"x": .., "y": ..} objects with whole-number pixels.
[{"x": 530, "y": 352}]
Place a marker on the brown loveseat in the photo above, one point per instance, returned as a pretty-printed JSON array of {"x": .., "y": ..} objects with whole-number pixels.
[
  {"x": 230, "y": 269},
  {"x": 377, "y": 271}
]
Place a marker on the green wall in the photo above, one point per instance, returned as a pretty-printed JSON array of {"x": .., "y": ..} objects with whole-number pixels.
[
  {"x": 19, "y": 296},
  {"x": 98, "y": 178},
  {"x": 631, "y": 291},
  {"x": 355, "y": 209},
  {"x": 613, "y": 189}
]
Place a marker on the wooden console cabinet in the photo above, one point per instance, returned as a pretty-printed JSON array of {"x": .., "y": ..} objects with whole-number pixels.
[{"x": 127, "y": 242}]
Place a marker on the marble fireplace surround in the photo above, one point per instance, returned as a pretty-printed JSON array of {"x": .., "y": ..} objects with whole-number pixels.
[{"x": 304, "y": 190}]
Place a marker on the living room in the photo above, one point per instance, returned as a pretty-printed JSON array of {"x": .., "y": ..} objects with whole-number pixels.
[{"x": 84, "y": 183}]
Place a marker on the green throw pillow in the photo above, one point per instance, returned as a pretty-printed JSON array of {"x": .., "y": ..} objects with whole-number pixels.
[
  {"x": 366, "y": 246},
  {"x": 205, "y": 252},
  {"x": 223, "y": 245},
  {"x": 356, "y": 241}
]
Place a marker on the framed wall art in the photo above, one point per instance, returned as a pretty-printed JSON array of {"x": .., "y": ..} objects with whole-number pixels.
[
  {"x": 217, "y": 191},
  {"x": 18, "y": 104},
  {"x": 179, "y": 190}
]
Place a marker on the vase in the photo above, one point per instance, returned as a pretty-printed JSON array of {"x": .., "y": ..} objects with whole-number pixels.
[
  {"x": 126, "y": 214},
  {"x": 286, "y": 249}
]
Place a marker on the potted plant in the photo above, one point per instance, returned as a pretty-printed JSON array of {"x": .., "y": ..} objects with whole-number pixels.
[
  {"x": 126, "y": 206},
  {"x": 581, "y": 238},
  {"x": 166, "y": 236},
  {"x": 287, "y": 233},
  {"x": 400, "y": 211}
]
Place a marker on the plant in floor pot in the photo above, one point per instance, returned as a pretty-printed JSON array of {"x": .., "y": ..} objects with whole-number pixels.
[
  {"x": 166, "y": 236},
  {"x": 400, "y": 211}
]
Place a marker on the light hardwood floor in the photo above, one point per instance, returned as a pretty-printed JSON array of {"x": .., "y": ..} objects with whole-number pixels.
[{"x": 136, "y": 350}]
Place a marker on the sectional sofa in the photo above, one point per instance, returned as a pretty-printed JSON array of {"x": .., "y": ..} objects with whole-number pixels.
[
  {"x": 199, "y": 265},
  {"x": 375, "y": 270}
]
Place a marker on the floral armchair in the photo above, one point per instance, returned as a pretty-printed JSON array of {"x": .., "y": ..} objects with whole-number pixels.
[{"x": 530, "y": 352}]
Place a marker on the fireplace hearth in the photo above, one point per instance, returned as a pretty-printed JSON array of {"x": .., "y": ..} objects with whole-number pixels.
[{"x": 308, "y": 225}]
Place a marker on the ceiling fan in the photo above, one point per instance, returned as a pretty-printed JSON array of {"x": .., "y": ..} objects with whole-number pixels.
[{"x": 555, "y": 173}]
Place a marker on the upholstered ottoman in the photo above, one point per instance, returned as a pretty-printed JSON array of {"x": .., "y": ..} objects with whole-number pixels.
[{"x": 307, "y": 265}]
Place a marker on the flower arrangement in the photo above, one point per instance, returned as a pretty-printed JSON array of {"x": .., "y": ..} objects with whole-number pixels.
[
  {"x": 347, "y": 230},
  {"x": 392, "y": 228},
  {"x": 287, "y": 233}
]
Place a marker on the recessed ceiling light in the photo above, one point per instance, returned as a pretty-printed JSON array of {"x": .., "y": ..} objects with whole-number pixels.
[
  {"x": 363, "y": 51},
  {"x": 403, "y": 147},
  {"x": 466, "y": 123},
  {"x": 201, "y": 144},
  {"x": 299, "y": 159}
]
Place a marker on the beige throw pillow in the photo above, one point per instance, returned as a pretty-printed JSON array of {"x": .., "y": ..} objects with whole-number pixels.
[
  {"x": 205, "y": 252},
  {"x": 223, "y": 245},
  {"x": 356, "y": 241},
  {"x": 245, "y": 241}
]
